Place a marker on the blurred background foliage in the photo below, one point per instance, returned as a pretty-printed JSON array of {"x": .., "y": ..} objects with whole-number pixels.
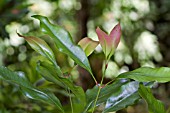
[{"x": 145, "y": 42}]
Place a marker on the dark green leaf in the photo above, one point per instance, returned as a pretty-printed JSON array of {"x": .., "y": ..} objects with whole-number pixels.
[
  {"x": 45, "y": 72},
  {"x": 124, "y": 97},
  {"x": 28, "y": 89},
  {"x": 115, "y": 91},
  {"x": 154, "y": 105},
  {"x": 48, "y": 71},
  {"x": 146, "y": 74},
  {"x": 64, "y": 42}
]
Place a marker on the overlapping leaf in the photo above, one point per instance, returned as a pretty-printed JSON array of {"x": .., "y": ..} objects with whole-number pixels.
[
  {"x": 125, "y": 96},
  {"x": 88, "y": 45},
  {"x": 109, "y": 42},
  {"x": 48, "y": 76},
  {"x": 64, "y": 42},
  {"x": 40, "y": 46},
  {"x": 49, "y": 72},
  {"x": 146, "y": 74},
  {"x": 28, "y": 89},
  {"x": 118, "y": 95},
  {"x": 154, "y": 105}
]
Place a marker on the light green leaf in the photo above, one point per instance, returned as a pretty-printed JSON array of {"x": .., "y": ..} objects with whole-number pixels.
[
  {"x": 40, "y": 46},
  {"x": 28, "y": 89},
  {"x": 146, "y": 74},
  {"x": 122, "y": 97},
  {"x": 154, "y": 105},
  {"x": 48, "y": 71},
  {"x": 88, "y": 45},
  {"x": 64, "y": 42}
]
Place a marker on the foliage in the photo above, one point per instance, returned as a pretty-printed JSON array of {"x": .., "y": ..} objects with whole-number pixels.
[
  {"x": 114, "y": 95},
  {"x": 154, "y": 106}
]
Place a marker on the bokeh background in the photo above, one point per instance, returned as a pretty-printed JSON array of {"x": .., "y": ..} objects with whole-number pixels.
[{"x": 145, "y": 41}]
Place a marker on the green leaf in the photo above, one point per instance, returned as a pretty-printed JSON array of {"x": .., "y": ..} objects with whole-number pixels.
[
  {"x": 125, "y": 96},
  {"x": 64, "y": 42},
  {"x": 154, "y": 105},
  {"x": 48, "y": 71},
  {"x": 88, "y": 45},
  {"x": 146, "y": 74},
  {"x": 122, "y": 97},
  {"x": 28, "y": 89},
  {"x": 47, "y": 74},
  {"x": 40, "y": 46}
]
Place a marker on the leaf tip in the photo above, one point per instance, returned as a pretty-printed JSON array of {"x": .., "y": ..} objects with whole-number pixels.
[
  {"x": 35, "y": 16},
  {"x": 20, "y": 35},
  {"x": 39, "y": 17},
  {"x": 98, "y": 29}
]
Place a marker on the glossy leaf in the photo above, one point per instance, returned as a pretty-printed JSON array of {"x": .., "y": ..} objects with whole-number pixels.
[
  {"x": 64, "y": 42},
  {"x": 48, "y": 71},
  {"x": 116, "y": 95},
  {"x": 146, "y": 74},
  {"x": 40, "y": 46},
  {"x": 154, "y": 105},
  {"x": 48, "y": 76},
  {"x": 124, "y": 97},
  {"x": 28, "y": 89},
  {"x": 88, "y": 45}
]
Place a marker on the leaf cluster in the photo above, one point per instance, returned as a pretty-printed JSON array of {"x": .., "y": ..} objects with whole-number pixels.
[{"x": 124, "y": 91}]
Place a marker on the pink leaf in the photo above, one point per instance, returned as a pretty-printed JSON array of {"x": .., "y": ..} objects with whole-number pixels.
[{"x": 109, "y": 42}]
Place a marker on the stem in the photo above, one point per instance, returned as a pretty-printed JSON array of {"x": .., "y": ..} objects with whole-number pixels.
[
  {"x": 100, "y": 87},
  {"x": 110, "y": 82},
  {"x": 96, "y": 98},
  {"x": 68, "y": 90},
  {"x": 71, "y": 103},
  {"x": 94, "y": 78},
  {"x": 91, "y": 75}
]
